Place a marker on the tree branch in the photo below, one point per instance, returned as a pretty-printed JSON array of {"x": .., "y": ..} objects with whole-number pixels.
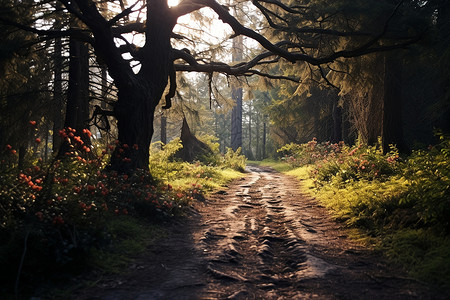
[
  {"x": 186, "y": 7},
  {"x": 79, "y": 34},
  {"x": 122, "y": 14}
]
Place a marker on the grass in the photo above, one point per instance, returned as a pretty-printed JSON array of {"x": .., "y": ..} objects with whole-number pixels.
[
  {"x": 275, "y": 164},
  {"x": 215, "y": 181},
  {"x": 378, "y": 216},
  {"x": 132, "y": 237}
]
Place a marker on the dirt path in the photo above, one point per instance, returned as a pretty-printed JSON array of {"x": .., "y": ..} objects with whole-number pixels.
[{"x": 261, "y": 238}]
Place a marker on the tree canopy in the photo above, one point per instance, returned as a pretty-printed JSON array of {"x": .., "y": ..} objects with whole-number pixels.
[{"x": 142, "y": 48}]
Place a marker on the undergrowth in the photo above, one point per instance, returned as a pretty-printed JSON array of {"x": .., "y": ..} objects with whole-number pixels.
[
  {"x": 69, "y": 215},
  {"x": 401, "y": 204}
]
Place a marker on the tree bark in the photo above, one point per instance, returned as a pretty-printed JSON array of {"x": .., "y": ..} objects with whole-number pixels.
[
  {"x": 236, "y": 95},
  {"x": 337, "y": 121},
  {"x": 57, "y": 95},
  {"x": 236, "y": 119},
  {"x": 138, "y": 94},
  {"x": 163, "y": 129},
  {"x": 77, "y": 108},
  {"x": 392, "y": 104},
  {"x": 264, "y": 141},
  {"x": 193, "y": 149},
  {"x": 258, "y": 129}
]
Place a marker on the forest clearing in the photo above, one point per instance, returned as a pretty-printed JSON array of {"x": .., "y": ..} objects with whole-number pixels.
[{"x": 224, "y": 149}]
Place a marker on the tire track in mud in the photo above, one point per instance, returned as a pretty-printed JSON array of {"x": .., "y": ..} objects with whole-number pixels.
[
  {"x": 257, "y": 246},
  {"x": 260, "y": 238},
  {"x": 265, "y": 239}
]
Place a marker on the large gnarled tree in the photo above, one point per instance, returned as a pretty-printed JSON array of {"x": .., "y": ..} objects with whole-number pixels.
[{"x": 294, "y": 34}]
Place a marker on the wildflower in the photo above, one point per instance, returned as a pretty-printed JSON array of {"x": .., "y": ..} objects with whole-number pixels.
[
  {"x": 62, "y": 133},
  {"x": 32, "y": 123},
  {"x": 87, "y": 132},
  {"x": 135, "y": 147},
  {"x": 78, "y": 140},
  {"x": 37, "y": 140},
  {"x": 37, "y": 188},
  {"x": 8, "y": 147},
  {"x": 352, "y": 152},
  {"x": 58, "y": 220}
]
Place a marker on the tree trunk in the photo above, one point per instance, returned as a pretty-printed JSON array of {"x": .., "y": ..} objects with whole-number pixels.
[
  {"x": 163, "y": 130},
  {"x": 77, "y": 108},
  {"x": 57, "y": 95},
  {"x": 135, "y": 127},
  {"x": 337, "y": 121},
  {"x": 249, "y": 151},
  {"x": 236, "y": 119},
  {"x": 392, "y": 103},
  {"x": 139, "y": 94},
  {"x": 258, "y": 129},
  {"x": 443, "y": 26},
  {"x": 236, "y": 95},
  {"x": 193, "y": 149},
  {"x": 264, "y": 141},
  {"x": 77, "y": 111}
]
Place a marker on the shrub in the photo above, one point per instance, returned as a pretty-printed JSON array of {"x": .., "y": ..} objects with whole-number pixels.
[
  {"x": 309, "y": 153},
  {"x": 428, "y": 173},
  {"x": 60, "y": 211}
]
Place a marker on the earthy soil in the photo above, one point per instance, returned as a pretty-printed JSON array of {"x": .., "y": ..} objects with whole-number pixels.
[{"x": 259, "y": 238}]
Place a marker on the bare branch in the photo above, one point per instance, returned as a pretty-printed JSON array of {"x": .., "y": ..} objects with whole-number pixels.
[
  {"x": 122, "y": 14},
  {"x": 79, "y": 34},
  {"x": 290, "y": 9},
  {"x": 194, "y": 65},
  {"x": 368, "y": 47},
  {"x": 186, "y": 7}
]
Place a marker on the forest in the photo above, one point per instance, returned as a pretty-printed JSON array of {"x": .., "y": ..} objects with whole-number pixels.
[{"x": 122, "y": 120}]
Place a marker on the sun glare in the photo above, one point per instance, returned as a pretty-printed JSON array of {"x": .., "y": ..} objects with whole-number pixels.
[{"x": 173, "y": 2}]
